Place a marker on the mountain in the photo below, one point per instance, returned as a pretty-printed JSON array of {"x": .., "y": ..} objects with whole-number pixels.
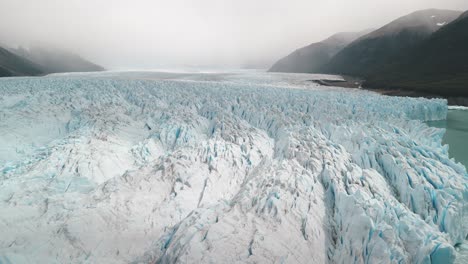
[
  {"x": 311, "y": 58},
  {"x": 14, "y": 65},
  {"x": 56, "y": 60},
  {"x": 438, "y": 65},
  {"x": 369, "y": 53}
]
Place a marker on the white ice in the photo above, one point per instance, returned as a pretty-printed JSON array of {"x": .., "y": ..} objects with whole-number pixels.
[{"x": 142, "y": 167}]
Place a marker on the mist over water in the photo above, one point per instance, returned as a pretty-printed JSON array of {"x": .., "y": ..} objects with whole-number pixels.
[{"x": 148, "y": 34}]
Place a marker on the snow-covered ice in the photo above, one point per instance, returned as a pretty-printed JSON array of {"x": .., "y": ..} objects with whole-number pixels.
[{"x": 144, "y": 167}]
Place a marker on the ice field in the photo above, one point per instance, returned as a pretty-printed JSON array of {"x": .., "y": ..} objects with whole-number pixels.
[{"x": 242, "y": 167}]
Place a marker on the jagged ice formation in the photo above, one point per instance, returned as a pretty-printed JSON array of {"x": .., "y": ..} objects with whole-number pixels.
[{"x": 223, "y": 168}]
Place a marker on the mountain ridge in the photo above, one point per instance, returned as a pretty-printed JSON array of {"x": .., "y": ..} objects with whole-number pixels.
[
  {"x": 38, "y": 61},
  {"x": 13, "y": 65},
  {"x": 370, "y": 52},
  {"x": 445, "y": 72},
  {"x": 311, "y": 58},
  {"x": 423, "y": 52},
  {"x": 54, "y": 60}
]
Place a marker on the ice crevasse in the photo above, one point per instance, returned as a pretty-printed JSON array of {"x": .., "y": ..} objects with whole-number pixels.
[{"x": 223, "y": 168}]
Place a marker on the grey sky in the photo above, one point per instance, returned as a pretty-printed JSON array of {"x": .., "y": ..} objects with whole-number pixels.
[{"x": 150, "y": 34}]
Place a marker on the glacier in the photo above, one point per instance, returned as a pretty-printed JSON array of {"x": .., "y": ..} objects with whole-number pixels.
[{"x": 232, "y": 167}]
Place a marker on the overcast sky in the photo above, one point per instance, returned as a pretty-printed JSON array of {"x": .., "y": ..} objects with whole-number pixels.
[{"x": 122, "y": 34}]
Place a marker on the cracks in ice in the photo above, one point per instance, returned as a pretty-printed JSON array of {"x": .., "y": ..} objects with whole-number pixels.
[
  {"x": 202, "y": 192},
  {"x": 227, "y": 170}
]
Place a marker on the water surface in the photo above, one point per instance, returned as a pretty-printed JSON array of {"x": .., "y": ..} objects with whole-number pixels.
[{"x": 457, "y": 134}]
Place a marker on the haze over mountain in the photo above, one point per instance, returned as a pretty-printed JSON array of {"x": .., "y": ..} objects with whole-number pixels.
[
  {"x": 14, "y": 65},
  {"x": 367, "y": 54},
  {"x": 314, "y": 57},
  {"x": 149, "y": 34},
  {"x": 439, "y": 64},
  {"x": 56, "y": 60},
  {"x": 224, "y": 165},
  {"x": 41, "y": 60},
  {"x": 423, "y": 52}
]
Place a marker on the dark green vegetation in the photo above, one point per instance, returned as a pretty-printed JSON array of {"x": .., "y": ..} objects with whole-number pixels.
[
  {"x": 439, "y": 64},
  {"x": 40, "y": 61},
  {"x": 375, "y": 50},
  {"x": 313, "y": 57},
  {"x": 14, "y": 65},
  {"x": 425, "y": 52}
]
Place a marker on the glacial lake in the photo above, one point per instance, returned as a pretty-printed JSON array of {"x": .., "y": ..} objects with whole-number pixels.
[{"x": 456, "y": 135}]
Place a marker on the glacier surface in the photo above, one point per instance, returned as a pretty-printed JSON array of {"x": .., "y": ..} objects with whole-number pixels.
[{"x": 145, "y": 167}]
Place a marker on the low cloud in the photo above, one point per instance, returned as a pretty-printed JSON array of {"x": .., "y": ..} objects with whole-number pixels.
[{"x": 231, "y": 33}]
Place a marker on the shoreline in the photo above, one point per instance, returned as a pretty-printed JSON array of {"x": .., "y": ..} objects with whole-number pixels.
[
  {"x": 354, "y": 82},
  {"x": 347, "y": 82},
  {"x": 451, "y": 100}
]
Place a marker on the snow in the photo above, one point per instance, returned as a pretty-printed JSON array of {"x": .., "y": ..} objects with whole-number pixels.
[
  {"x": 146, "y": 167},
  {"x": 441, "y": 24}
]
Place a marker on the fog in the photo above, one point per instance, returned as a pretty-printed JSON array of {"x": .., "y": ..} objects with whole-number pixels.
[{"x": 142, "y": 34}]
